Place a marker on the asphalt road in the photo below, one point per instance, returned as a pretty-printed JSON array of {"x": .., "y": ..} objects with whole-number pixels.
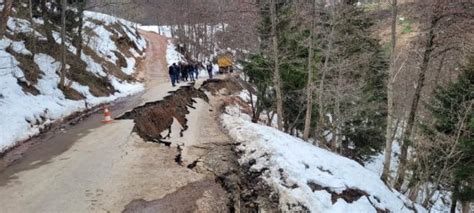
[{"x": 93, "y": 167}]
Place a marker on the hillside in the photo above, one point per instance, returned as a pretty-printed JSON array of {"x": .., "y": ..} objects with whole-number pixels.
[
  {"x": 237, "y": 106},
  {"x": 298, "y": 176},
  {"x": 30, "y": 98}
]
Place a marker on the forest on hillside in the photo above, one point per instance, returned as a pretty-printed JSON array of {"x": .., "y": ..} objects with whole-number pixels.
[
  {"x": 392, "y": 77},
  {"x": 203, "y": 27}
]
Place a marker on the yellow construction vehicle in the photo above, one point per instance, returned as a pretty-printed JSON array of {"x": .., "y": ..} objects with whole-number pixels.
[{"x": 225, "y": 63}]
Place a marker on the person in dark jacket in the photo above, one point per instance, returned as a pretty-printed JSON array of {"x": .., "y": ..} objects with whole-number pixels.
[
  {"x": 171, "y": 71},
  {"x": 196, "y": 71},
  {"x": 191, "y": 72},
  {"x": 209, "y": 70},
  {"x": 184, "y": 72},
  {"x": 176, "y": 72}
]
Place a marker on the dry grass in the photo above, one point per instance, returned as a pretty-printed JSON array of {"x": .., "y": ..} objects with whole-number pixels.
[
  {"x": 108, "y": 67},
  {"x": 72, "y": 94},
  {"x": 27, "y": 65},
  {"x": 98, "y": 86}
]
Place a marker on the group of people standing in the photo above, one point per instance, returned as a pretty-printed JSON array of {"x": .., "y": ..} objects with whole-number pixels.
[{"x": 186, "y": 72}]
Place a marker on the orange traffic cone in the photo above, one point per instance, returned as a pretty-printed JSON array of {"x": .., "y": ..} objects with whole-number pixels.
[{"x": 107, "y": 116}]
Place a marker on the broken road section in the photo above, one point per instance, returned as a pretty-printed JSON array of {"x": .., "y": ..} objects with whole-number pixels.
[{"x": 154, "y": 120}]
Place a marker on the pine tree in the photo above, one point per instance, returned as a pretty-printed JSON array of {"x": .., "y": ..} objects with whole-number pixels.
[
  {"x": 355, "y": 93},
  {"x": 257, "y": 68},
  {"x": 354, "y": 90},
  {"x": 453, "y": 118}
]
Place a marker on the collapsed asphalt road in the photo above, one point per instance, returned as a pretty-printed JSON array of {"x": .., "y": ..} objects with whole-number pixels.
[
  {"x": 153, "y": 118},
  {"x": 102, "y": 168},
  {"x": 92, "y": 167}
]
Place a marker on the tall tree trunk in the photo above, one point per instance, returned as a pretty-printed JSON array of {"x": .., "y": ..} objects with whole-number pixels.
[
  {"x": 327, "y": 57},
  {"x": 47, "y": 25},
  {"x": 440, "y": 68},
  {"x": 63, "y": 43},
  {"x": 33, "y": 25},
  {"x": 335, "y": 143},
  {"x": 454, "y": 200},
  {"x": 309, "y": 89},
  {"x": 79, "y": 38},
  {"x": 276, "y": 65},
  {"x": 466, "y": 207},
  {"x": 390, "y": 106},
  {"x": 414, "y": 106},
  {"x": 7, "y": 9}
]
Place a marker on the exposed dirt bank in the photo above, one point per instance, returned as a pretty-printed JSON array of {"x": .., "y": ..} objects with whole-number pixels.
[{"x": 153, "y": 118}]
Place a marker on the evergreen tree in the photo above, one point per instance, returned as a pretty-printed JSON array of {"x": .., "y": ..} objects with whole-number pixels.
[
  {"x": 355, "y": 90},
  {"x": 357, "y": 104},
  {"x": 293, "y": 37},
  {"x": 292, "y": 53},
  {"x": 257, "y": 68},
  {"x": 453, "y": 126}
]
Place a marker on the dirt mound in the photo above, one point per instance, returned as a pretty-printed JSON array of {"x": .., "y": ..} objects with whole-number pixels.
[
  {"x": 224, "y": 86},
  {"x": 153, "y": 118}
]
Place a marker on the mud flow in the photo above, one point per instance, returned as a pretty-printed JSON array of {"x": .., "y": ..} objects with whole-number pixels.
[{"x": 154, "y": 118}]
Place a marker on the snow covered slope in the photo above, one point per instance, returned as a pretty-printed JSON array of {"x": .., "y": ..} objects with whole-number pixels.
[
  {"x": 309, "y": 178},
  {"x": 30, "y": 98}
]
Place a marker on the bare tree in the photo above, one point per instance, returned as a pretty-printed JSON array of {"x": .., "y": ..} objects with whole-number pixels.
[
  {"x": 7, "y": 8},
  {"x": 63, "y": 44},
  {"x": 47, "y": 22},
  {"x": 81, "y": 7},
  {"x": 309, "y": 86},
  {"x": 443, "y": 17},
  {"x": 390, "y": 108},
  {"x": 276, "y": 64},
  {"x": 33, "y": 25},
  {"x": 325, "y": 68}
]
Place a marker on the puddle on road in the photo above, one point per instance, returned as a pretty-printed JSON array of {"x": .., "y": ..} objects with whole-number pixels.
[{"x": 154, "y": 118}]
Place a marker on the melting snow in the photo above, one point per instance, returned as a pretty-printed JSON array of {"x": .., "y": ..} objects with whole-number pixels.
[
  {"x": 23, "y": 115},
  {"x": 304, "y": 174},
  {"x": 172, "y": 55}
]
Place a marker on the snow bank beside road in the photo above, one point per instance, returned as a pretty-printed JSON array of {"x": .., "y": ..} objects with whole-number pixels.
[
  {"x": 309, "y": 178},
  {"x": 24, "y": 113}
]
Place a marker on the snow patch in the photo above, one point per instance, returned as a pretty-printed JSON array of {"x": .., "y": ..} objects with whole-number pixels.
[
  {"x": 23, "y": 115},
  {"x": 304, "y": 174},
  {"x": 172, "y": 55}
]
